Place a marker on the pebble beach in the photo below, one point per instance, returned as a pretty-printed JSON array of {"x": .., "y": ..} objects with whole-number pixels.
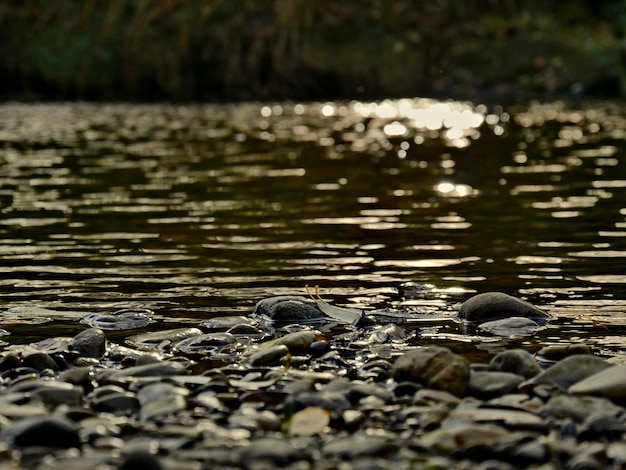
[{"x": 275, "y": 390}]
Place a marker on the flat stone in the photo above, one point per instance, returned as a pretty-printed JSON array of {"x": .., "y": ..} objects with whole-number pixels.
[
  {"x": 511, "y": 419},
  {"x": 158, "y": 369},
  {"x": 487, "y": 384},
  {"x": 275, "y": 451},
  {"x": 510, "y": 327},
  {"x": 40, "y": 361},
  {"x": 434, "y": 366},
  {"x": 494, "y": 305},
  {"x": 353, "y": 447},
  {"x": 580, "y": 408},
  {"x": 567, "y": 372},
  {"x": 609, "y": 383}
]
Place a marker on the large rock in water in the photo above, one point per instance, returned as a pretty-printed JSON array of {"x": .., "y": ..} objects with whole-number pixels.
[
  {"x": 495, "y": 305},
  {"x": 289, "y": 308}
]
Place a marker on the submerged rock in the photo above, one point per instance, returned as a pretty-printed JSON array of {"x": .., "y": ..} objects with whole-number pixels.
[
  {"x": 497, "y": 305},
  {"x": 124, "y": 319},
  {"x": 510, "y": 327}
]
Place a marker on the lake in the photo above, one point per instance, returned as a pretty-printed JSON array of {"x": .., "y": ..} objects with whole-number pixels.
[{"x": 196, "y": 211}]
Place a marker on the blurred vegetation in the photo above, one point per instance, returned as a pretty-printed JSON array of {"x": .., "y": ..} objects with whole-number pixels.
[{"x": 310, "y": 49}]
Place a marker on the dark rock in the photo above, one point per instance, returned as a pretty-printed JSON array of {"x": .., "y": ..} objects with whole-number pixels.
[
  {"x": 9, "y": 361},
  {"x": 516, "y": 361},
  {"x": 495, "y": 305},
  {"x": 40, "y": 361},
  {"x": 53, "y": 397},
  {"x": 116, "y": 402},
  {"x": 140, "y": 459},
  {"x": 288, "y": 309},
  {"x": 46, "y": 431},
  {"x": 580, "y": 408},
  {"x": 159, "y": 369},
  {"x": 268, "y": 356},
  {"x": 90, "y": 343},
  {"x": 436, "y": 367}
]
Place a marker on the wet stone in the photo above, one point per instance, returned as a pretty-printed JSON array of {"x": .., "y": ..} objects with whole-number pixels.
[
  {"x": 90, "y": 343},
  {"x": 516, "y": 361},
  {"x": 486, "y": 384},
  {"x": 45, "y": 431},
  {"x": 53, "y": 397},
  {"x": 274, "y": 452},
  {"x": 116, "y": 402},
  {"x": 495, "y": 305},
  {"x": 40, "y": 361},
  {"x": 268, "y": 356},
  {"x": 436, "y": 367},
  {"x": 224, "y": 323},
  {"x": 510, "y": 327},
  {"x": 161, "y": 399},
  {"x": 158, "y": 369},
  {"x": 580, "y": 408},
  {"x": 124, "y": 319},
  {"x": 162, "y": 339},
  {"x": 289, "y": 309},
  {"x": 609, "y": 383},
  {"x": 206, "y": 344},
  {"x": 354, "y": 447},
  {"x": 567, "y": 372}
]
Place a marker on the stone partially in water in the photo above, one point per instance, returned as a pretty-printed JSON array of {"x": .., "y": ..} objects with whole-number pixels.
[
  {"x": 510, "y": 327},
  {"x": 165, "y": 338},
  {"x": 496, "y": 305},
  {"x": 287, "y": 309},
  {"x": 436, "y": 367},
  {"x": 124, "y": 319}
]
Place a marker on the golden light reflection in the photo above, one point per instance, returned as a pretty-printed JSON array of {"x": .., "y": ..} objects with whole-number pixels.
[
  {"x": 456, "y": 122},
  {"x": 449, "y": 189}
]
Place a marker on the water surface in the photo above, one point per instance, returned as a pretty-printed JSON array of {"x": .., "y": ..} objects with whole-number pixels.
[{"x": 201, "y": 210}]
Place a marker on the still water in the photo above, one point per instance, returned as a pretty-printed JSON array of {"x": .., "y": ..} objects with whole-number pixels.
[{"x": 201, "y": 210}]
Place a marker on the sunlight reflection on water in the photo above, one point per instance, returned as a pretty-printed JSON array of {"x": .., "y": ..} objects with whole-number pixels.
[{"x": 205, "y": 208}]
